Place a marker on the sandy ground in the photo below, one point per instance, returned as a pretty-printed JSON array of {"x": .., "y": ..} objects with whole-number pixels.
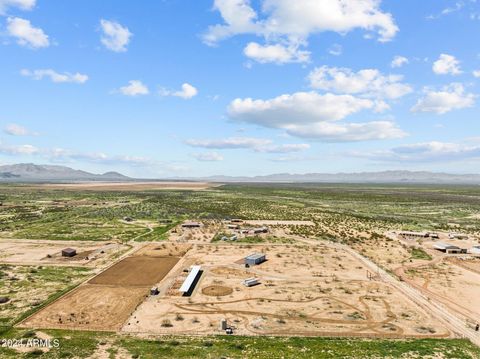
[
  {"x": 454, "y": 286},
  {"x": 90, "y": 307},
  {"x": 451, "y": 279},
  {"x": 37, "y": 252},
  {"x": 304, "y": 290},
  {"x": 130, "y": 186},
  {"x": 203, "y": 234},
  {"x": 106, "y": 301},
  {"x": 136, "y": 271}
]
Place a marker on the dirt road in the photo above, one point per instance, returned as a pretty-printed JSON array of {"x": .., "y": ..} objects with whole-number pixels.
[{"x": 453, "y": 322}]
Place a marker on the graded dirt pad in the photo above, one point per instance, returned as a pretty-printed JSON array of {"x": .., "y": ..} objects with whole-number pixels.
[
  {"x": 89, "y": 307},
  {"x": 454, "y": 286},
  {"x": 307, "y": 290},
  {"x": 164, "y": 250},
  {"x": 136, "y": 271},
  {"x": 217, "y": 290},
  {"x": 130, "y": 186},
  {"x": 33, "y": 252}
]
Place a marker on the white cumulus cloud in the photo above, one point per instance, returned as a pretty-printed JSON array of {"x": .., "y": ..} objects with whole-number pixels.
[
  {"x": 134, "y": 88},
  {"x": 115, "y": 36},
  {"x": 447, "y": 64},
  {"x": 315, "y": 116},
  {"x": 292, "y": 22},
  {"x": 399, "y": 61},
  {"x": 370, "y": 82},
  {"x": 187, "y": 92},
  {"x": 20, "y": 4},
  {"x": 276, "y": 53},
  {"x": 26, "y": 34},
  {"x": 55, "y": 76},
  {"x": 299, "y": 107},
  {"x": 449, "y": 98}
]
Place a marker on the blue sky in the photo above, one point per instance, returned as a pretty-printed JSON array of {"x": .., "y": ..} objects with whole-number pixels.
[{"x": 235, "y": 87}]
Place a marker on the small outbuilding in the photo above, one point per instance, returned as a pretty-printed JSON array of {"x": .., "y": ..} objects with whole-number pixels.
[
  {"x": 457, "y": 236},
  {"x": 191, "y": 281},
  {"x": 69, "y": 252},
  {"x": 154, "y": 291},
  {"x": 250, "y": 282},
  {"x": 255, "y": 258},
  {"x": 448, "y": 248},
  {"x": 414, "y": 234},
  {"x": 191, "y": 225},
  {"x": 475, "y": 249},
  {"x": 260, "y": 230}
]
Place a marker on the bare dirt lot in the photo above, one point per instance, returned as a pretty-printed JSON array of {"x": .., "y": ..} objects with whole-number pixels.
[
  {"x": 37, "y": 252},
  {"x": 455, "y": 287},
  {"x": 303, "y": 290},
  {"x": 130, "y": 186},
  {"x": 107, "y": 300},
  {"x": 90, "y": 307},
  {"x": 136, "y": 271}
]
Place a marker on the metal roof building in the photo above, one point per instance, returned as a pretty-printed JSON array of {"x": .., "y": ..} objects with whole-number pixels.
[
  {"x": 448, "y": 248},
  {"x": 443, "y": 246},
  {"x": 69, "y": 252},
  {"x": 250, "y": 282},
  {"x": 189, "y": 282},
  {"x": 191, "y": 225},
  {"x": 255, "y": 258},
  {"x": 413, "y": 234}
]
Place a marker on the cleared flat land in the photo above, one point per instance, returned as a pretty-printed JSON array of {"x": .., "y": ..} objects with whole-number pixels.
[
  {"x": 310, "y": 286},
  {"x": 130, "y": 186},
  {"x": 107, "y": 300},
  {"x": 136, "y": 271},
  {"x": 305, "y": 290},
  {"x": 89, "y": 307},
  {"x": 38, "y": 252}
]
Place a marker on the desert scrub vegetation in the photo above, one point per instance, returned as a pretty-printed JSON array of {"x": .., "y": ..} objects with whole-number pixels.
[
  {"x": 346, "y": 212},
  {"x": 29, "y": 287},
  {"x": 78, "y": 344}
]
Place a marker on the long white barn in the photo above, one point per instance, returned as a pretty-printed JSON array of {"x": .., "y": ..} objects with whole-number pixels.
[{"x": 187, "y": 284}]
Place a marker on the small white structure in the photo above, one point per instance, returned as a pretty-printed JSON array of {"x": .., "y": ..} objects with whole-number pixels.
[
  {"x": 475, "y": 249},
  {"x": 190, "y": 280},
  {"x": 250, "y": 282},
  {"x": 457, "y": 236}
]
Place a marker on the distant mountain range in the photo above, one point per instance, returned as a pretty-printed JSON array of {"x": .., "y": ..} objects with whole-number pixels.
[
  {"x": 361, "y": 177},
  {"x": 29, "y": 172}
]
